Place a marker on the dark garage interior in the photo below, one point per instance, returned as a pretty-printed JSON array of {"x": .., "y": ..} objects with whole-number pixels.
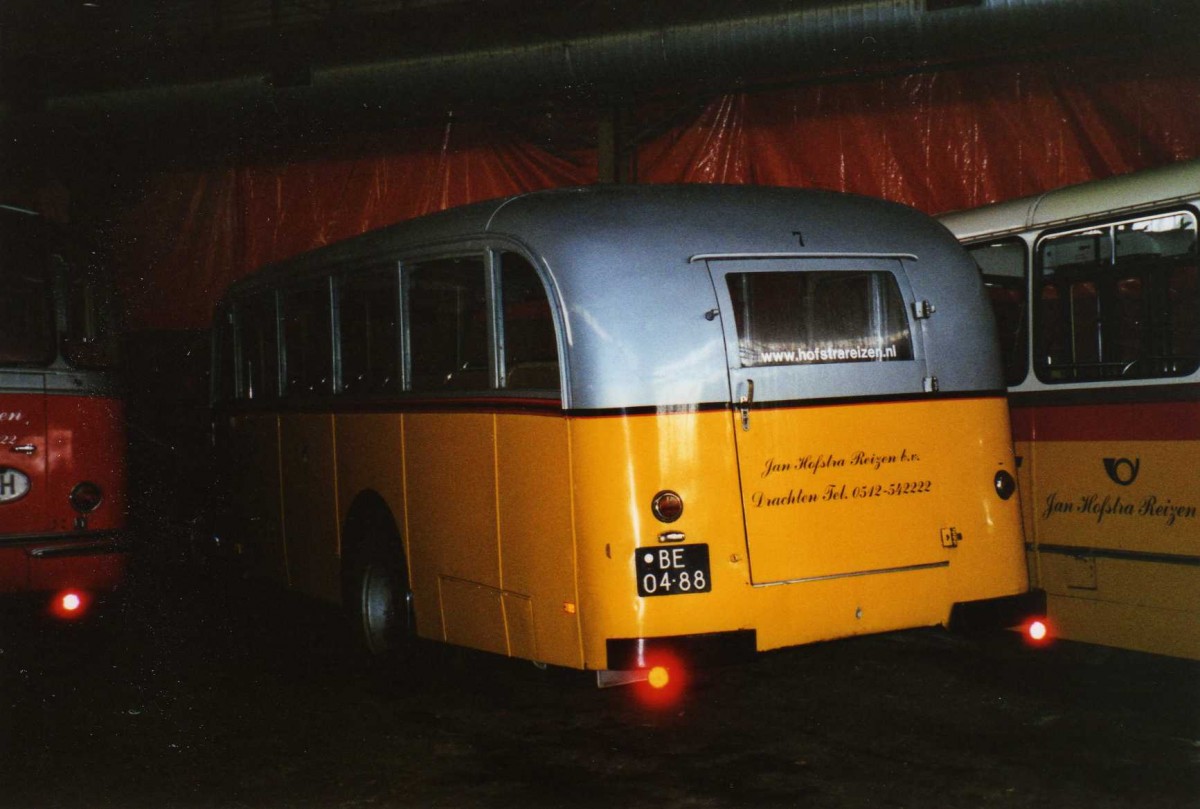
[{"x": 191, "y": 142}]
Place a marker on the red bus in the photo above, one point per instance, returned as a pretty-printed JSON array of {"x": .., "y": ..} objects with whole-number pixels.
[{"x": 63, "y": 539}]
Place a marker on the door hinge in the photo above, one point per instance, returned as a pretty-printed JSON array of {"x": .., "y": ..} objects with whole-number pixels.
[{"x": 923, "y": 309}]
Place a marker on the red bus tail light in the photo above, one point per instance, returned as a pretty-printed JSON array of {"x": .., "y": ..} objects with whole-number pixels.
[{"x": 70, "y": 604}]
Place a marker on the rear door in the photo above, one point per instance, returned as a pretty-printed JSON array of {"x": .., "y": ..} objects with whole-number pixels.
[
  {"x": 818, "y": 352},
  {"x": 23, "y": 453}
]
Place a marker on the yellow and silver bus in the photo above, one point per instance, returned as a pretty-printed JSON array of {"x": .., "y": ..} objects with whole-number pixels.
[
  {"x": 1097, "y": 303},
  {"x": 589, "y": 427}
]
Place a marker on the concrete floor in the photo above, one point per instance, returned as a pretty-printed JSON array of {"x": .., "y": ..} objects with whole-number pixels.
[{"x": 201, "y": 691}]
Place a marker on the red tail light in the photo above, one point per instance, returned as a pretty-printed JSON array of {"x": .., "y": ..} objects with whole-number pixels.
[
  {"x": 70, "y": 604},
  {"x": 665, "y": 683},
  {"x": 1037, "y": 632},
  {"x": 659, "y": 677},
  {"x": 667, "y": 506}
]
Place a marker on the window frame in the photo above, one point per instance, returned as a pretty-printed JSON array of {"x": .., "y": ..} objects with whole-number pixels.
[
  {"x": 36, "y": 236},
  {"x": 410, "y": 265},
  {"x": 341, "y": 278},
  {"x": 281, "y": 314},
  {"x": 1025, "y": 327},
  {"x": 238, "y": 308},
  {"x": 1037, "y": 341},
  {"x": 887, "y": 290},
  {"x": 502, "y": 382},
  {"x": 334, "y": 280}
]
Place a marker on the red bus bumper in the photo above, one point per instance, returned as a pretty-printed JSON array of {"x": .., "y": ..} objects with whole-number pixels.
[{"x": 94, "y": 562}]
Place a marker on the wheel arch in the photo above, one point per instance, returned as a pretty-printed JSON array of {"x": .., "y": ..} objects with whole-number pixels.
[{"x": 368, "y": 520}]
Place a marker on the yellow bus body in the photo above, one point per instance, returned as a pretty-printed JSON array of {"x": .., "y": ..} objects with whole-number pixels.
[
  {"x": 507, "y": 505},
  {"x": 1108, "y": 554}
]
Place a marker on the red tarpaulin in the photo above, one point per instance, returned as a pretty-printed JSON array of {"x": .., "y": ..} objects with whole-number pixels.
[{"x": 939, "y": 141}]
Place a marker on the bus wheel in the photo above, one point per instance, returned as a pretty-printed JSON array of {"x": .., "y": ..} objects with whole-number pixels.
[{"x": 380, "y": 599}]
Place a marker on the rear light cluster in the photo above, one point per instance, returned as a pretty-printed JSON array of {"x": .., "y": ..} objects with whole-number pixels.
[
  {"x": 667, "y": 506},
  {"x": 70, "y": 604}
]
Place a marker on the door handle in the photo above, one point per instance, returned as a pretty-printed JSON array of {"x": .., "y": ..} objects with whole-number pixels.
[
  {"x": 24, "y": 449},
  {"x": 744, "y": 402}
]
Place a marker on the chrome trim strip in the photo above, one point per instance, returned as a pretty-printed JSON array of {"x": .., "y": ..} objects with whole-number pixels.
[
  {"x": 1116, "y": 553},
  {"x": 94, "y": 548},
  {"x": 89, "y": 538},
  {"x": 751, "y": 256},
  {"x": 855, "y": 574}
]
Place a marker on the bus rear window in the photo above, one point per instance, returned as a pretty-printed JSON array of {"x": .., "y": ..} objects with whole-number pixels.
[
  {"x": 26, "y": 303},
  {"x": 808, "y": 318},
  {"x": 1119, "y": 301}
]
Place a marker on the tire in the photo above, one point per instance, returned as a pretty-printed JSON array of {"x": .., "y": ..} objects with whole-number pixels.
[{"x": 379, "y": 598}]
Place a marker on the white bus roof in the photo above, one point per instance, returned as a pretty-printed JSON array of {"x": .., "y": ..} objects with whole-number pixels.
[{"x": 1155, "y": 187}]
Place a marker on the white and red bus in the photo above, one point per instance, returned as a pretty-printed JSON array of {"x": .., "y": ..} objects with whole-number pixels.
[
  {"x": 63, "y": 536},
  {"x": 1097, "y": 299}
]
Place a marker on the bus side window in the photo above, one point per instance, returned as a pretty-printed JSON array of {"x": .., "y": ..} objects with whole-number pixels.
[
  {"x": 307, "y": 342},
  {"x": 27, "y": 297},
  {"x": 1120, "y": 301},
  {"x": 448, "y": 325},
  {"x": 1004, "y": 277},
  {"x": 259, "y": 356},
  {"x": 368, "y": 317},
  {"x": 225, "y": 365},
  {"x": 530, "y": 347},
  {"x": 91, "y": 337}
]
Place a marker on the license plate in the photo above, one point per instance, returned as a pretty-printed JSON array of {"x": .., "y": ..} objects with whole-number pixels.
[{"x": 672, "y": 571}]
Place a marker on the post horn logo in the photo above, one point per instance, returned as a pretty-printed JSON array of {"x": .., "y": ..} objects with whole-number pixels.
[{"x": 1122, "y": 471}]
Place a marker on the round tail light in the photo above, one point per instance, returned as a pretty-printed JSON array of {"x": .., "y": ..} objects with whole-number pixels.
[
  {"x": 86, "y": 497},
  {"x": 667, "y": 506}
]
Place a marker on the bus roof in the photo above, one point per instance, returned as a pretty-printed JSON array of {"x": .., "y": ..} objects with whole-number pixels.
[
  {"x": 1147, "y": 189},
  {"x": 625, "y": 265},
  {"x": 698, "y": 219}
]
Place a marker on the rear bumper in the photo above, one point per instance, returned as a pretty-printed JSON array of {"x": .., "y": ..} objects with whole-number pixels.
[
  {"x": 93, "y": 561},
  {"x": 696, "y": 650},
  {"x": 998, "y": 613}
]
